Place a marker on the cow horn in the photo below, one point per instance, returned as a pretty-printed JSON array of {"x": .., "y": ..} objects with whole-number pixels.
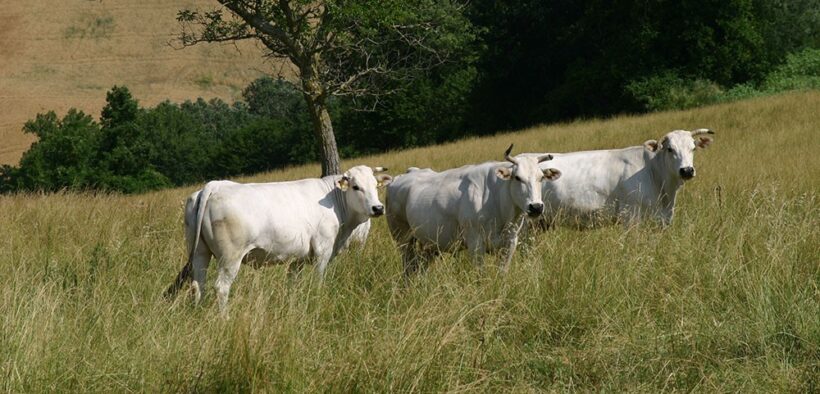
[
  {"x": 377, "y": 170},
  {"x": 508, "y": 157},
  {"x": 701, "y": 131},
  {"x": 544, "y": 158}
]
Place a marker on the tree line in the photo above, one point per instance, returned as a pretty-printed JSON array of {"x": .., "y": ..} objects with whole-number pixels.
[{"x": 378, "y": 75}]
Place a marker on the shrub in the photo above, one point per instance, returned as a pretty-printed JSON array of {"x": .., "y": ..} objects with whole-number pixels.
[
  {"x": 63, "y": 155},
  {"x": 667, "y": 90},
  {"x": 740, "y": 92},
  {"x": 133, "y": 149},
  {"x": 800, "y": 71}
]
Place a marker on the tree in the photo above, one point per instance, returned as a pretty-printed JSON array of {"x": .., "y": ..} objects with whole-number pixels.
[
  {"x": 564, "y": 59},
  {"x": 338, "y": 47},
  {"x": 62, "y": 157}
]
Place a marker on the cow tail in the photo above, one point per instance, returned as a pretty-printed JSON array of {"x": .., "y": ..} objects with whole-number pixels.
[{"x": 185, "y": 273}]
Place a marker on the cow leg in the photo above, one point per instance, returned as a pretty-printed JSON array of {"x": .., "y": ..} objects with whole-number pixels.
[
  {"x": 507, "y": 253},
  {"x": 295, "y": 268},
  {"x": 475, "y": 245},
  {"x": 199, "y": 271},
  {"x": 323, "y": 255},
  {"x": 666, "y": 214},
  {"x": 629, "y": 217},
  {"x": 225, "y": 277},
  {"x": 410, "y": 258},
  {"x": 510, "y": 239},
  {"x": 425, "y": 256}
]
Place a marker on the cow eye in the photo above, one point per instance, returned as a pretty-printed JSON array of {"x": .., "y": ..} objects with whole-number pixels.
[
  {"x": 669, "y": 150},
  {"x": 518, "y": 178},
  {"x": 356, "y": 188}
]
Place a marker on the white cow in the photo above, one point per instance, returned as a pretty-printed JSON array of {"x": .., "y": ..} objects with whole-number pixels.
[
  {"x": 479, "y": 206},
  {"x": 623, "y": 184},
  {"x": 280, "y": 221},
  {"x": 359, "y": 236}
]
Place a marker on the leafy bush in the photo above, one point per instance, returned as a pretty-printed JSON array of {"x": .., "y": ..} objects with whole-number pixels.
[
  {"x": 61, "y": 158},
  {"x": 429, "y": 110},
  {"x": 740, "y": 92},
  {"x": 135, "y": 149},
  {"x": 282, "y": 102},
  {"x": 667, "y": 91},
  {"x": 800, "y": 71}
]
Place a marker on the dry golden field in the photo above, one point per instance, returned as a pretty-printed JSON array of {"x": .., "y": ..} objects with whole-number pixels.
[
  {"x": 726, "y": 299},
  {"x": 55, "y": 55}
]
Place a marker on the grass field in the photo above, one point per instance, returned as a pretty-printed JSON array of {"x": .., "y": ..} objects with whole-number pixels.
[
  {"x": 55, "y": 55},
  {"x": 725, "y": 299}
]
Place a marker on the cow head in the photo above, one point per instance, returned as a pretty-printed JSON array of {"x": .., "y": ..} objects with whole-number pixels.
[
  {"x": 526, "y": 177},
  {"x": 677, "y": 150},
  {"x": 359, "y": 185}
]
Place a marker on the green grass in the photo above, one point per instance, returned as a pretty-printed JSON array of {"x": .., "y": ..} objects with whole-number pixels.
[
  {"x": 204, "y": 81},
  {"x": 725, "y": 299},
  {"x": 92, "y": 27}
]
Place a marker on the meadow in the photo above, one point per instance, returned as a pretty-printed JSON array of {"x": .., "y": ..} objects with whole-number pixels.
[
  {"x": 725, "y": 299},
  {"x": 67, "y": 54}
]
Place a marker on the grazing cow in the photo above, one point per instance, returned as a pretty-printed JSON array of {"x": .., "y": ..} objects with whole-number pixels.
[
  {"x": 623, "y": 184},
  {"x": 479, "y": 206},
  {"x": 280, "y": 221}
]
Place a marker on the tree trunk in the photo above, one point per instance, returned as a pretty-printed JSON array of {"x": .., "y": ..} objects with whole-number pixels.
[
  {"x": 323, "y": 130},
  {"x": 316, "y": 99}
]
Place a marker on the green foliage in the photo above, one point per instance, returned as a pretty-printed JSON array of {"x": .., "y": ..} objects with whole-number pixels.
[
  {"x": 120, "y": 107},
  {"x": 788, "y": 27},
  {"x": 278, "y": 99},
  {"x": 561, "y": 60},
  {"x": 205, "y": 81},
  {"x": 800, "y": 71},
  {"x": 667, "y": 91},
  {"x": 61, "y": 158},
  {"x": 133, "y": 149},
  {"x": 281, "y": 103},
  {"x": 430, "y": 109}
]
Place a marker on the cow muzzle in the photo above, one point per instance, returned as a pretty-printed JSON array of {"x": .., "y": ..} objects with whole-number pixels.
[
  {"x": 535, "y": 209},
  {"x": 687, "y": 173},
  {"x": 377, "y": 210}
]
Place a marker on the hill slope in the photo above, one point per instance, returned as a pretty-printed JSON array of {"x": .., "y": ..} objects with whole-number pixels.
[
  {"x": 58, "y": 55},
  {"x": 724, "y": 300}
]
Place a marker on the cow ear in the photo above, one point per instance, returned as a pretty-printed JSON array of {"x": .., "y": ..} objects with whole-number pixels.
[
  {"x": 504, "y": 173},
  {"x": 384, "y": 179},
  {"x": 343, "y": 183},
  {"x": 552, "y": 174},
  {"x": 703, "y": 141},
  {"x": 651, "y": 145}
]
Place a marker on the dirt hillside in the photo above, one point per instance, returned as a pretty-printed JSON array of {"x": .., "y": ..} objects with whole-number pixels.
[{"x": 55, "y": 55}]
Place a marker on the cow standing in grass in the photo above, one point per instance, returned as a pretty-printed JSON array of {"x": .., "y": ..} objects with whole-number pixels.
[
  {"x": 479, "y": 206},
  {"x": 627, "y": 184},
  {"x": 280, "y": 221}
]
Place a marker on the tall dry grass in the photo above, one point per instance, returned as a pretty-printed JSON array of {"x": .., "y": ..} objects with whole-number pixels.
[{"x": 725, "y": 299}]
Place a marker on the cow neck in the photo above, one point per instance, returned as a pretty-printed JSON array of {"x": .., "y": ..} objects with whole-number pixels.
[
  {"x": 340, "y": 206},
  {"x": 667, "y": 190}
]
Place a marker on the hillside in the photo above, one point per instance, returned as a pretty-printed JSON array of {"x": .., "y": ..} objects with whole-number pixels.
[
  {"x": 723, "y": 300},
  {"x": 58, "y": 55}
]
